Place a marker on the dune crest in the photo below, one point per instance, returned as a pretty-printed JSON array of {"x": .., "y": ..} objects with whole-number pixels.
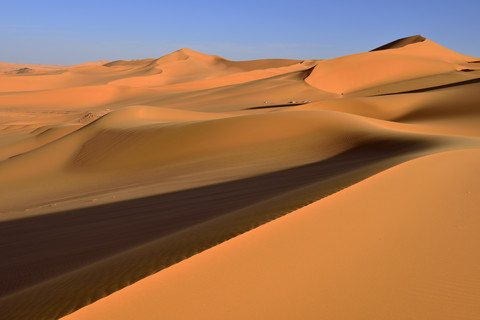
[{"x": 401, "y": 43}]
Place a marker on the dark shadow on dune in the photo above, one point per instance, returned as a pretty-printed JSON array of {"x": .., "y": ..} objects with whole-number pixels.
[
  {"x": 270, "y": 106},
  {"x": 48, "y": 247},
  {"x": 449, "y": 85}
]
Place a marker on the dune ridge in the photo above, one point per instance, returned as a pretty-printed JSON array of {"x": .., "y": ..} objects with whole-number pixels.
[
  {"x": 189, "y": 163},
  {"x": 401, "y": 42}
]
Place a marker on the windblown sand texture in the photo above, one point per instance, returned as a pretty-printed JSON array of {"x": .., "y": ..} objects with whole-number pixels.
[{"x": 195, "y": 187}]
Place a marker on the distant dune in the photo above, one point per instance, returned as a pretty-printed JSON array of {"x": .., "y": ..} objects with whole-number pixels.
[
  {"x": 404, "y": 62},
  {"x": 194, "y": 187},
  {"x": 12, "y": 67}
]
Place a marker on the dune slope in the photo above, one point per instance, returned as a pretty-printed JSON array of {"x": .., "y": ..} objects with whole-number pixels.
[{"x": 387, "y": 251}]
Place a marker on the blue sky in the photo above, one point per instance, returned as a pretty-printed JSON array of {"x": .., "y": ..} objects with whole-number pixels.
[{"x": 69, "y": 32}]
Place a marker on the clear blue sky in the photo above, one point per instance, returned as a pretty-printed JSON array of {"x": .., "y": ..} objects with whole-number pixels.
[{"x": 69, "y": 32}]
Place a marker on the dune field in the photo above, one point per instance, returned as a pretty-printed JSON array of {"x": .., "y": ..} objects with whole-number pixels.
[{"x": 194, "y": 187}]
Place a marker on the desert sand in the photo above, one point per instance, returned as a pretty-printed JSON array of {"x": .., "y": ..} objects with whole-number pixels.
[{"x": 194, "y": 187}]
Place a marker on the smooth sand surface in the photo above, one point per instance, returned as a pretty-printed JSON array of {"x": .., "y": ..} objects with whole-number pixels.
[
  {"x": 114, "y": 171},
  {"x": 377, "y": 250}
]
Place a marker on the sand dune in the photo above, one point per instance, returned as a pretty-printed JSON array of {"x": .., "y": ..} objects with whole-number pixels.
[
  {"x": 387, "y": 251},
  {"x": 365, "y": 70},
  {"x": 136, "y": 145},
  {"x": 114, "y": 171},
  {"x": 454, "y": 108},
  {"x": 16, "y": 68}
]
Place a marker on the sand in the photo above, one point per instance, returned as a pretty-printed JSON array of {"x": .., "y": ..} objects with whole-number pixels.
[
  {"x": 192, "y": 186},
  {"x": 407, "y": 251}
]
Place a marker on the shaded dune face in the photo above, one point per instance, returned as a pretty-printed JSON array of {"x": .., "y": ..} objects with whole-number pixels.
[
  {"x": 401, "y": 43},
  {"x": 113, "y": 171}
]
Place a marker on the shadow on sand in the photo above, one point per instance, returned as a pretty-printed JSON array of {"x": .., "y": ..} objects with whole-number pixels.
[{"x": 41, "y": 255}]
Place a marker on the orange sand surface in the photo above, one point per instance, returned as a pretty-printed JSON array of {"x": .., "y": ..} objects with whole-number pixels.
[
  {"x": 377, "y": 250},
  {"x": 195, "y": 187}
]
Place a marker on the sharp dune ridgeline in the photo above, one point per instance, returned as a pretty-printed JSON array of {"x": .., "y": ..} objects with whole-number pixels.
[{"x": 194, "y": 187}]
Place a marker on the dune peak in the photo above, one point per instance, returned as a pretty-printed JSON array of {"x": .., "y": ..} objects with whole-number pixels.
[
  {"x": 188, "y": 54},
  {"x": 401, "y": 42},
  {"x": 188, "y": 51}
]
